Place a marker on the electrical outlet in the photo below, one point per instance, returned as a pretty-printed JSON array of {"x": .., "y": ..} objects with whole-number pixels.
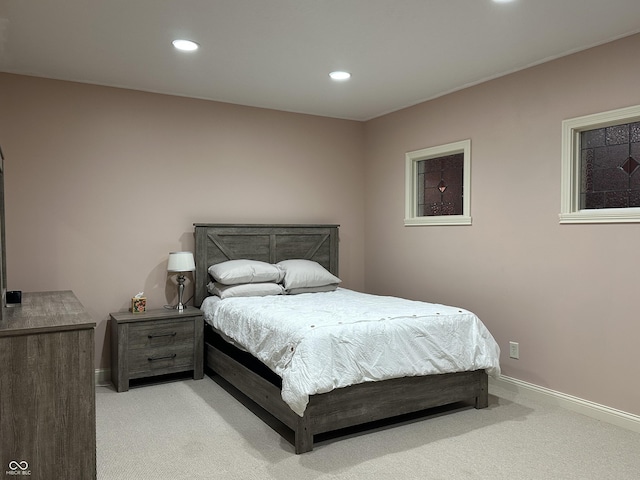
[{"x": 514, "y": 350}]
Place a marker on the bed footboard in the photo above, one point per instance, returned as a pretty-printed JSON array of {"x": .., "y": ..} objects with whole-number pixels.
[{"x": 349, "y": 406}]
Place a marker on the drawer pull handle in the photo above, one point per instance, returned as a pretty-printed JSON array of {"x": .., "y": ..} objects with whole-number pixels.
[
  {"x": 156, "y": 335},
  {"x": 165, "y": 357}
]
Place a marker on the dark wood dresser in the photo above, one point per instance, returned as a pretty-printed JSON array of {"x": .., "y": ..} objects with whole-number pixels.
[{"x": 47, "y": 389}]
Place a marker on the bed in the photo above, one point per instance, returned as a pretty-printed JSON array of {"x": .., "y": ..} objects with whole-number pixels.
[{"x": 337, "y": 408}]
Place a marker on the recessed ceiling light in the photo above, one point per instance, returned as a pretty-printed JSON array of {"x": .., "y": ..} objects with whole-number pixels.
[
  {"x": 185, "y": 45},
  {"x": 339, "y": 75},
  {"x": 502, "y": 1}
]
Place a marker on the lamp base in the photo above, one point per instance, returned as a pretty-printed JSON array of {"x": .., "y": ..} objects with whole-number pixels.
[{"x": 180, "y": 307}]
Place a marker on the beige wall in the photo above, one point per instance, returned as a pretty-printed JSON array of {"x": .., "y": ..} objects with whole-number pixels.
[
  {"x": 102, "y": 183},
  {"x": 567, "y": 293}
]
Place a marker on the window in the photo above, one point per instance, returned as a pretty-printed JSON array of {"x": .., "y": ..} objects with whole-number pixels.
[
  {"x": 437, "y": 185},
  {"x": 601, "y": 168}
]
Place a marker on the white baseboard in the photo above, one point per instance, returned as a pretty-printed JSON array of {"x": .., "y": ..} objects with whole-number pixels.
[
  {"x": 103, "y": 377},
  {"x": 579, "y": 405}
]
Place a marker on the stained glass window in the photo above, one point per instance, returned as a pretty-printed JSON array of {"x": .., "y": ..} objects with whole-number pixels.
[
  {"x": 610, "y": 167},
  {"x": 437, "y": 185},
  {"x": 600, "y": 180},
  {"x": 440, "y": 185}
]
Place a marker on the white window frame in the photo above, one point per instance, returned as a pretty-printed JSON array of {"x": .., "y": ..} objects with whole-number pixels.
[
  {"x": 570, "y": 211},
  {"x": 411, "y": 176}
]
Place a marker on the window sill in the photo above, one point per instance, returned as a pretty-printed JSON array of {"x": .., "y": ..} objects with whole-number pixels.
[
  {"x": 442, "y": 220},
  {"x": 605, "y": 215}
]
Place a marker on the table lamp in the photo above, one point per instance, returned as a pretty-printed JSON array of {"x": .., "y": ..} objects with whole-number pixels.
[{"x": 180, "y": 263}]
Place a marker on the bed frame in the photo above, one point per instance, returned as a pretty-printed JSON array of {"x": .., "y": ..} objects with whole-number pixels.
[{"x": 340, "y": 408}]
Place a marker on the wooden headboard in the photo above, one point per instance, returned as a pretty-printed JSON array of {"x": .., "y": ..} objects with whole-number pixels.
[{"x": 217, "y": 243}]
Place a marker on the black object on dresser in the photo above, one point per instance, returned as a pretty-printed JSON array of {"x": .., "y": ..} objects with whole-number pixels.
[
  {"x": 155, "y": 342},
  {"x": 47, "y": 389}
]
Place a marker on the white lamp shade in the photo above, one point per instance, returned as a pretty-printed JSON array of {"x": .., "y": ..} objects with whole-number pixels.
[{"x": 181, "y": 262}]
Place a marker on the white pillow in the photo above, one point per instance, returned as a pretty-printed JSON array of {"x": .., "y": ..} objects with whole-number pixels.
[
  {"x": 322, "y": 288},
  {"x": 234, "y": 272},
  {"x": 305, "y": 274},
  {"x": 245, "y": 289}
]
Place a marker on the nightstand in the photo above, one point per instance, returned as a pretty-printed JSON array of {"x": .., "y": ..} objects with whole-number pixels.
[{"x": 155, "y": 342}]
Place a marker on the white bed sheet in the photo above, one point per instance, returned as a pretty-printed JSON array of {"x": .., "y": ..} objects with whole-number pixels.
[{"x": 317, "y": 342}]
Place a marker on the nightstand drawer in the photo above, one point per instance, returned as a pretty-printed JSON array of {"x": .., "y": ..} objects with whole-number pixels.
[
  {"x": 160, "y": 334},
  {"x": 145, "y": 362}
]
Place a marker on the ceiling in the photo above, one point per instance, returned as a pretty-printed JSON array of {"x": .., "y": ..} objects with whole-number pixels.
[{"x": 278, "y": 53}]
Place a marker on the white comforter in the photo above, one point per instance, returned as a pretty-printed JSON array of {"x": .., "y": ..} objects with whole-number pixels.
[{"x": 317, "y": 342}]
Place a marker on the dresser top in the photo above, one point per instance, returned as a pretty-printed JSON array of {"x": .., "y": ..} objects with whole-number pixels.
[{"x": 45, "y": 312}]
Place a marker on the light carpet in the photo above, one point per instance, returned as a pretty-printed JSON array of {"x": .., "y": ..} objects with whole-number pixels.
[{"x": 197, "y": 430}]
